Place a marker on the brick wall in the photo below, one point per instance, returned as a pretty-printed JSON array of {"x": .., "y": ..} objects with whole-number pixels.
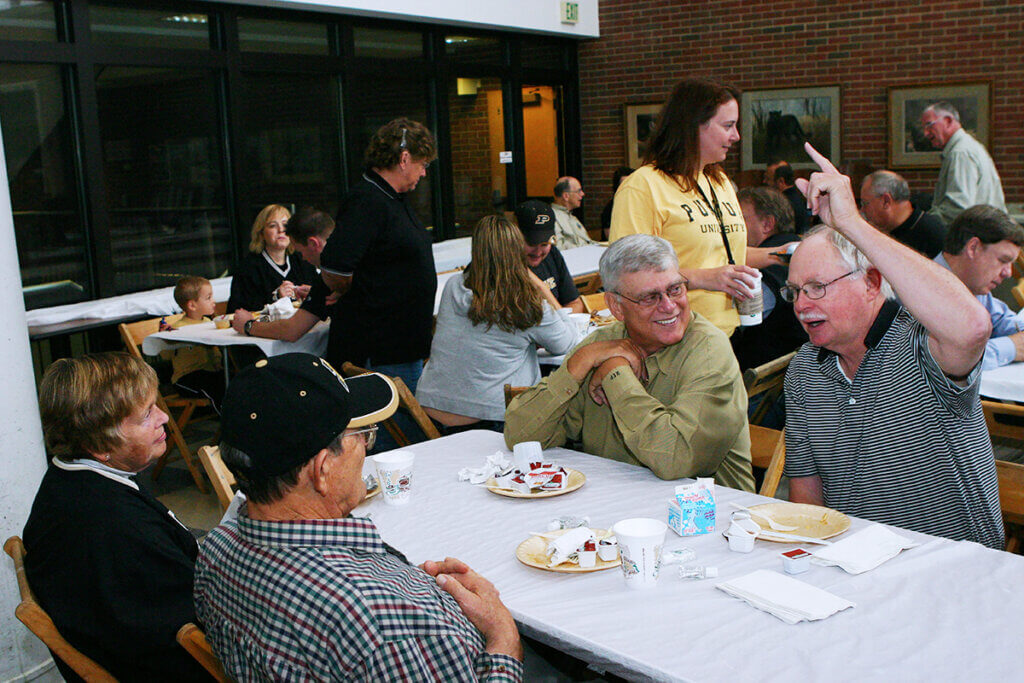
[
  {"x": 646, "y": 46},
  {"x": 471, "y": 170}
]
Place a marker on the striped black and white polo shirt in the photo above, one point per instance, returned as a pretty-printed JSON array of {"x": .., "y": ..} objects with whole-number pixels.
[{"x": 900, "y": 444}]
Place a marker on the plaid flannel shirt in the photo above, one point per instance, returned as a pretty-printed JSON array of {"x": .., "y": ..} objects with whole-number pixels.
[{"x": 326, "y": 600}]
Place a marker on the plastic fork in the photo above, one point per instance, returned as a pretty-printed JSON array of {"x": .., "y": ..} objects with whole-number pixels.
[{"x": 776, "y": 526}]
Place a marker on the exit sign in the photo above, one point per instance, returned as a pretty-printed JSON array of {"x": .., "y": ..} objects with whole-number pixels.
[{"x": 570, "y": 12}]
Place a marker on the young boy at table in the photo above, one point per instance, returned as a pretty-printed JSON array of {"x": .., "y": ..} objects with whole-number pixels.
[{"x": 197, "y": 368}]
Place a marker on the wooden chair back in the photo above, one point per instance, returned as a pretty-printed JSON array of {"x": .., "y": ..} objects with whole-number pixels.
[
  {"x": 39, "y": 622},
  {"x": 592, "y": 303},
  {"x": 1011, "y": 501},
  {"x": 407, "y": 401},
  {"x": 192, "y": 638},
  {"x": 511, "y": 392},
  {"x": 768, "y": 451},
  {"x": 1018, "y": 293},
  {"x": 587, "y": 284},
  {"x": 768, "y": 380},
  {"x": 1004, "y": 430},
  {"x": 1018, "y": 267},
  {"x": 220, "y": 476},
  {"x": 132, "y": 334}
]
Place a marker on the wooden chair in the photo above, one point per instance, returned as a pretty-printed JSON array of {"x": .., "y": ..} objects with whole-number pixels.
[
  {"x": 587, "y": 284},
  {"x": 192, "y": 638},
  {"x": 768, "y": 452},
  {"x": 133, "y": 334},
  {"x": 766, "y": 381},
  {"x": 593, "y": 302},
  {"x": 1018, "y": 267},
  {"x": 220, "y": 476},
  {"x": 511, "y": 392},
  {"x": 1003, "y": 429},
  {"x": 1011, "y": 501},
  {"x": 1018, "y": 293},
  {"x": 407, "y": 401},
  {"x": 39, "y": 622}
]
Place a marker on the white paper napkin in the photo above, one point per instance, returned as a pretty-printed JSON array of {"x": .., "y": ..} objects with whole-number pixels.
[
  {"x": 864, "y": 550},
  {"x": 790, "y": 600},
  {"x": 559, "y": 549},
  {"x": 281, "y": 309},
  {"x": 493, "y": 465}
]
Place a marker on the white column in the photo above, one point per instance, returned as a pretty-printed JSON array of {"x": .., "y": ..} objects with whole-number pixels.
[{"x": 22, "y": 459}]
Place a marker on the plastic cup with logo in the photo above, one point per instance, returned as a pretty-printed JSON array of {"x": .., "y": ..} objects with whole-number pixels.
[
  {"x": 394, "y": 472},
  {"x": 750, "y": 309},
  {"x": 525, "y": 453},
  {"x": 640, "y": 543}
]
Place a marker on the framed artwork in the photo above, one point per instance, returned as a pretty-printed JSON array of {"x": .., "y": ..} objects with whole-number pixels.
[
  {"x": 774, "y": 124},
  {"x": 908, "y": 147},
  {"x": 640, "y": 122}
]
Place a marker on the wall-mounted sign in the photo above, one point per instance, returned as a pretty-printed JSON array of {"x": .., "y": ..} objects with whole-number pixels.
[
  {"x": 505, "y": 157},
  {"x": 570, "y": 12}
]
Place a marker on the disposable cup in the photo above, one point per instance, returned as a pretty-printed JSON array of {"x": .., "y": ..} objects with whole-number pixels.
[
  {"x": 640, "y": 542},
  {"x": 394, "y": 472},
  {"x": 222, "y": 322},
  {"x": 750, "y": 309},
  {"x": 525, "y": 453}
]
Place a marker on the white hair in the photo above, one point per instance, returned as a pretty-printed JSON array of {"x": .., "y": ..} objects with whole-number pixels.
[{"x": 850, "y": 255}]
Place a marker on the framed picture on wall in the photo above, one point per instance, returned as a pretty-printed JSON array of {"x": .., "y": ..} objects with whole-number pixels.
[
  {"x": 908, "y": 147},
  {"x": 640, "y": 122},
  {"x": 774, "y": 124}
]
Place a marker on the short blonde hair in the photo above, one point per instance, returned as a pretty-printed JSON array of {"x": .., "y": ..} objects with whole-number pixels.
[
  {"x": 257, "y": 243},
  {"x": 188, "y": 289},
  {"x": 83, "y": 401}
]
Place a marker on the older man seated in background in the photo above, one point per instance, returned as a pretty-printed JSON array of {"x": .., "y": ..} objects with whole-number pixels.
[
  {"x": 660, "y": 389},
  {"x": 885, "y": 203},
  {"x": 883, "y": 418},
  {"x": 981, "y": 246},
  {"x": 569, "y": 231},
  {"x": 297, "y": 589}
]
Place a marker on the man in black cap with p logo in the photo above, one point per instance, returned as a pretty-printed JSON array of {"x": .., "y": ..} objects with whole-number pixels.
[{"x": 537, "y": 222}]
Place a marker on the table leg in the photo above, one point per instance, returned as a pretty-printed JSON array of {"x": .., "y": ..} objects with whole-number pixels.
[{"x": 224, "y": 362}]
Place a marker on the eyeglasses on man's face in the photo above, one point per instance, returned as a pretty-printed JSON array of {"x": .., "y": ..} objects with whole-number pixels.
[
  {"x": 812, "y": 290},
  {"x": 369, "y": 435},
  {"x": 649, "y": 300}
]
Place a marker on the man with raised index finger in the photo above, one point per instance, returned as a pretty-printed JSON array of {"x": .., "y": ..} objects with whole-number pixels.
[{"x": 883, "y": 417}]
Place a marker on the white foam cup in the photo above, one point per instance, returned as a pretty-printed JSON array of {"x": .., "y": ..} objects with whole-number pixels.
[
  {"x": 640, "y": 543},
  {"x": 750, "y": 309},
  {"x": 525, "y": 453},
  {"x": 394, "y": 472}
]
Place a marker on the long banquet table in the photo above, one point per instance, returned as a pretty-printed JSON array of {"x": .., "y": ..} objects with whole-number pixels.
[
  {"x": 1005, "y": 383},
  {"x": 942, "y": 611}
]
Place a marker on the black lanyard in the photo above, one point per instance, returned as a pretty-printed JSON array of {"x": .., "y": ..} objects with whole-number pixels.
[{"x": 713, "y": 204}]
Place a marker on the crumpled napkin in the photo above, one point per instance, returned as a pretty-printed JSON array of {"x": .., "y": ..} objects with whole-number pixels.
[
  {"x": 559, "y": 549},
  {"x": 494, "y": 464},
  {"x": 280, "y": 309},
  {"x": 864, "y": 550},
  {"x": 788, "y": 599}
]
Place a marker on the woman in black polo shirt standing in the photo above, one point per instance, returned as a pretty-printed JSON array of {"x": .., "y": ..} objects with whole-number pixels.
[{"x": 380, "y": 260}]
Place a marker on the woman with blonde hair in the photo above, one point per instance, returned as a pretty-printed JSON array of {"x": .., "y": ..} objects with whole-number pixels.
[
  {"x": 272, "y": 269},
  {"x": 491, "y": 320},
  {"x": 682, "y": 194}
]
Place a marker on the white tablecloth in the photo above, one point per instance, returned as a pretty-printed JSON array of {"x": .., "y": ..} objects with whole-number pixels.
[
  {"x": 583, "y": 260},
  {"x": 942, "y": 611},
  {"x": 152, "y": 303},
  {"x": 1005, "y": 383},
  {"x": 452, "y": 253},
  {"x": 314, "y": 341}
]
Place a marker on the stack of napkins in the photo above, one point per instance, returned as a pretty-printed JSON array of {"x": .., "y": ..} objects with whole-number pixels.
[
  {"x": 790, "y": 600},
  {"x": 863, "y": 550}
]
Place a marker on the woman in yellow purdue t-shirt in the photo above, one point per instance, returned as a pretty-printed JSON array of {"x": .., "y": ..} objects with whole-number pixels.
[{"x": 682, "y": 194}]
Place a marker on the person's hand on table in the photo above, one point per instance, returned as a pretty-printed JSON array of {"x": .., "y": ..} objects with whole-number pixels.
[
  {"x": 479, "y": 601},
  {"x": 829, "y": 193},
  {"x": 728, "y": 278},
  {"x": 239, "y": 320},
  {"x": 286, "y": 289},
  {"x": 301, "y": 292}
]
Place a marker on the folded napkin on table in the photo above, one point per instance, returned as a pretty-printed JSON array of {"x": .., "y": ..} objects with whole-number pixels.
[
  {"x": 863, "y": 550},
  {"x": 493, "y": 465},
  {"x": 788, "y": 599},
  {"x": 281, "y": 309}
]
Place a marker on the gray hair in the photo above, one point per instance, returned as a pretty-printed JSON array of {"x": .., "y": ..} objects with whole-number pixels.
[
  {"x": 633, "y": 254},
  {"x": 887, "y": 182},
  {"x": 849, "y": 254},
  {"x": 944, "y": 108}
]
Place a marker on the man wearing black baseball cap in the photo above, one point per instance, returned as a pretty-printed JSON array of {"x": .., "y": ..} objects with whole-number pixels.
[
  {"x": 296, "y": 588},
  {"x": 537, "y": 223}
]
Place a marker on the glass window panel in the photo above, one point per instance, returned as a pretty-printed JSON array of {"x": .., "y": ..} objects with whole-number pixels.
[
  {"x": 290, "y": 127},
  {"x": 477, "y": 116},
  {"x": 387, "y": 44},
  {"x": 261, "y": 35},
  {"x": 542, "y": 139},
  {"x": 480, "y": 49},
  {"x": 544, "y": 54},
  {"x": 127, "y": 27},
  {"x": 27, "y": 20},
  {"x": 47, "y": 221},
  {"x": 372, "y": 101},
  {"x": 162, "y": 165}
]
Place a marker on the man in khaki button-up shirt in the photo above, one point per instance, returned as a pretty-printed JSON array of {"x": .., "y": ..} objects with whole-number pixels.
[{"x": 661, "y": 388}]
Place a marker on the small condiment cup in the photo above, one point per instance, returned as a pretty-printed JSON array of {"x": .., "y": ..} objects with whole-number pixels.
[
  {"x": 796, "y": 561},
  {"x": 608, "y": 549}
]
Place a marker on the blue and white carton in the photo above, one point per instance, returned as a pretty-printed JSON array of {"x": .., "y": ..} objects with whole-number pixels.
[{"x": 692, "y": 511}]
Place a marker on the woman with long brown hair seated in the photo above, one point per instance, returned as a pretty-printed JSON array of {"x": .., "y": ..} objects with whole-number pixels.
[{"x": 491, "y": 320}]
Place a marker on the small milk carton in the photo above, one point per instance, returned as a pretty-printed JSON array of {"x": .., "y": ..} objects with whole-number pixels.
[{"x": 692, "y": 511}]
